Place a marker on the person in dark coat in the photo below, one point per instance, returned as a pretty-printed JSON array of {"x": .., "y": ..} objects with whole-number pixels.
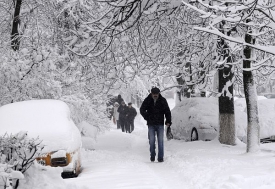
[
  {"x": 119, "y": 99},
  {"x": 130, "y": 118},
  {"x": 153, "y": 110},
  {"x": 123, "y": 111}
]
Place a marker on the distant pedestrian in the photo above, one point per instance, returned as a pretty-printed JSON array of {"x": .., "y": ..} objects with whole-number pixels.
[
  {"x": 153, "y": 110},
  {"x": 130, "y": 117},
  {"x": 116, "y": 115},
  {"x": 119, "y": 99},
  {"x": 122, "y": 110}
]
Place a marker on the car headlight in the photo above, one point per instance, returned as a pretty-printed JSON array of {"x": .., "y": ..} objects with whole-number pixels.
[{"x": 41, "y": 162}]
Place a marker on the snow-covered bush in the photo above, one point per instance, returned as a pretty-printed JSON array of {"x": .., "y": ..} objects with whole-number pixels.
[
  {"x": 43, "y": 177},
  {"x": 92, "y": 112},
  {"x": 17, "y": 154},
  {"x": 89, "y": 135}
]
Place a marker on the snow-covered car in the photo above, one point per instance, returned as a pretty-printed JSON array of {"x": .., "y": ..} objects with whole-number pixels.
[
  {"x": 269, "y": 95},
  {"x": 50, "y": 120},
  {"x": 197, "y": 119}
]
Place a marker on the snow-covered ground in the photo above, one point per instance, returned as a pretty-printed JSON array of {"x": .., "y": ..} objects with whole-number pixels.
[{"x": 122, "y": 161}]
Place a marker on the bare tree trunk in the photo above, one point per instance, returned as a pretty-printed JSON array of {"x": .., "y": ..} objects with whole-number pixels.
[
  {"x": 253, "y": 127},
  {"x": 227, "y": 133},
  {"x": 227, "y": 129},
  {"x": 15, "y": 41}
]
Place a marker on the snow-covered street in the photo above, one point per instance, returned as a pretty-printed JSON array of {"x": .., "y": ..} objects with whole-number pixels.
[{"x": 122, "y": 160}]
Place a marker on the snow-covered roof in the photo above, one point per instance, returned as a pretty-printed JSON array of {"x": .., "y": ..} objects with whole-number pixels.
[{"x": 47, "y": 119}]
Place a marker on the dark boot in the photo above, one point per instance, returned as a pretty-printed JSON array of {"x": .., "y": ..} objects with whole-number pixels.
[{"x": 160, "y": 160}]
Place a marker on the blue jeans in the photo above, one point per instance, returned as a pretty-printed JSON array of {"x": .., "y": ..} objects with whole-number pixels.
[{"x": 152, "y": 131}]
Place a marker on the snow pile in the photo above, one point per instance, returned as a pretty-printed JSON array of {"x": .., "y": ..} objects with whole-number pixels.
[
  {"x": 89, "y": 134},
  {"x": 88, "y": 130},
  {"x": 44, "y": 177}
]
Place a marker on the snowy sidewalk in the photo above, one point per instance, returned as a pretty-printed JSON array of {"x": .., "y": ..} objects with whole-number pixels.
[{"x": 122, "y": 161}]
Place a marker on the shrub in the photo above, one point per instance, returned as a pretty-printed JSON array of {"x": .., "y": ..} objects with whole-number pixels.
[{"x": 17, "y": 154}]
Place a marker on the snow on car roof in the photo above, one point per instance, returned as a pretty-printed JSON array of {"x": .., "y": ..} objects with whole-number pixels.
[
  {"x": 48, "y": 119},
  {"x": 203, "y": 109}
]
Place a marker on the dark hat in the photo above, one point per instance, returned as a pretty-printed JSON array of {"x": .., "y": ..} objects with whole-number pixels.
[
  {"x": 155, "y": 90},
  {"x": 130, "y": 103}
]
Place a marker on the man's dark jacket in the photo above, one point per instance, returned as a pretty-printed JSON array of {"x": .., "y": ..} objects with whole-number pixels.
[
  {"x": 131, "y": 114},
  {"x": 154, "y": 113},
  {"x": 123, "y": 111}
]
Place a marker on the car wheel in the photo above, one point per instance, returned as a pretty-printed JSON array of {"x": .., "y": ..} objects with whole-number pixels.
[{"x": 194, "y": 135}]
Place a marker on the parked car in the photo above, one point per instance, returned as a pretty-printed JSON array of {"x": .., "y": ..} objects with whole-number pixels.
[
  {"x": 197, "y": 119},
  {"x": 270, "y": 95},
  {"x": 49, "y": 120}
]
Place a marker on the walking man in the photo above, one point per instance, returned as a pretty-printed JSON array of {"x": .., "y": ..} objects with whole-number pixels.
[
  {"x": 131, "y": 117},
  {"x": 122, "y": 110},
  {"x": 153, "y": 110}
]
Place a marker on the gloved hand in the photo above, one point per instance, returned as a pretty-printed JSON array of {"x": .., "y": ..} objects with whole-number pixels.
[{"x": 168, "y": 124}]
